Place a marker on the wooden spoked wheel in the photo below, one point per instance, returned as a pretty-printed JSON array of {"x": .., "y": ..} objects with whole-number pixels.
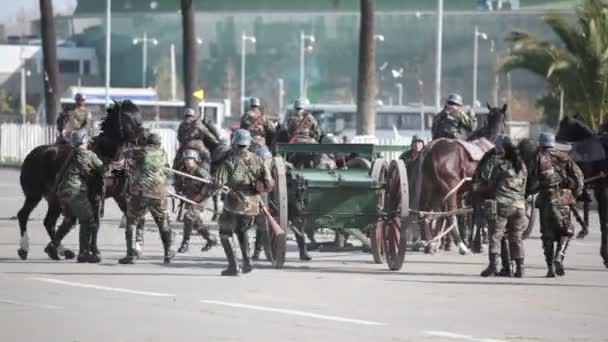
[
  {"x": 530, "y": 215},
  {"x": 378, "y": 174},
  {"x": 396, "y": 209},
  {"x": 276, "y": 244}
]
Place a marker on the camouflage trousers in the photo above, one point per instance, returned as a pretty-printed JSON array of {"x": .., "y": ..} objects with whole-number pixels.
[
  {"x": 555, "y": 219},
  {"x": 77, "y": 206},
  {"x": 193, "y": 221},
  {"x": 137, "y": 206},
  {"x": 511, "y": 221},
  {"x": 231, "y": 223}
]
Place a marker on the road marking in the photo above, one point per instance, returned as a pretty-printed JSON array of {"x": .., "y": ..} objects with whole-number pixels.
[
  {"x": 455, "y": 336},
  {"x": 41, "y": 306},
  {"x": 104, "y": 288},
  {"x": 292, "y": 312}
]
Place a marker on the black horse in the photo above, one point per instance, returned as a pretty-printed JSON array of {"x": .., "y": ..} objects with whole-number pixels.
[
  {"x": 121, "y": 128},
  {"x": 590, "y": 154}
]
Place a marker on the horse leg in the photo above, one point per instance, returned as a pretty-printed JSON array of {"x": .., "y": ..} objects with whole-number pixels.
[
  {"x": 23, "y": 216},
  {"x": 50, "y": 221},
  {"x": 452, "y": 204},
  {"x": 601, "y": 196}
]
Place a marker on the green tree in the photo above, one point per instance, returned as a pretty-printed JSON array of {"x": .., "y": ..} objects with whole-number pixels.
[{"x": 579, "y": 65}]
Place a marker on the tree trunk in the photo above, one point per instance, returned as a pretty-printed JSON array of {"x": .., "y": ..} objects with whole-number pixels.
[
  {"x": 189, "y": 44},
  {"x": 49, "y": 56},
  {"x": 367, "y": 84}
]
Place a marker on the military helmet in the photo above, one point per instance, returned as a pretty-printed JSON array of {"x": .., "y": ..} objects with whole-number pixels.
[
  {"x": 300, "y": 103},
  {"x": 416, "y": 138},
  {"x": 263, "y": 152},
  {"x": 546, "y": 140},
  {"x": 254, "y": 102},
  {"x": 502, "y": 139},
  {"x": 190, "y": 154},
  {"x": 79, "y": 97},
  {"x": 154, "y": 139},
  {"x": 189, "y": 112},
  {"x": 329, "y": 139},
  {"x": 78, "y": 137},
  {"x": 241, "y": 137},
  {"x": 455, "y": 99}
]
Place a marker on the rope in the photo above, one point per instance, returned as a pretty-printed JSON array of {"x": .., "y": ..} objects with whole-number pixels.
[{"x": 451, "y": 192}]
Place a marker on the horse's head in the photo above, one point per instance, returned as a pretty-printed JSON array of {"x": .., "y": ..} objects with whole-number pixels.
[
  {"x": 527, "y": 150},
  {"x": 123, "y": 123},
  {"x": 497, "y": 121},
  {"x": 572, "y": 129}
]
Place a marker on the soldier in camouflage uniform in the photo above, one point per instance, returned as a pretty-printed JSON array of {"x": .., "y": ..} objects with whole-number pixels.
[
  {"x": 302, "y": 127},
  {"x": 256, "y": 122},
  {"x": 199, "y": 193},
  {"x": 147, "y": 191},
  {"x": 502, "y": 182},
  {"x": 77, "y": 118},
  {"x": 558, "y": 181},
  {"x": 74, "y": 198},
  {"x": 246, "y": 176},
  {"x": 452, "y": 120}
]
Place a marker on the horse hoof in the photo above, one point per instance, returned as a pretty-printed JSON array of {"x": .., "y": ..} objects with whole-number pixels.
[
  {"x": 582, "y": 234},
  {"x": 51, "y": 251},
  {"x": 22, "y": 253},
  {"x": 462, "y": 249},
  {"x": 606, "y": 264},
  {"x": 68, "y": 254}
]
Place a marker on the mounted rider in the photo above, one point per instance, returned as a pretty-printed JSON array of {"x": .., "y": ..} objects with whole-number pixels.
[
  {"x": 73, "y": 119},
  {"x": 558, "y": 181},
  {"x": 453, "y": 120},
  {"x": 197, "y": 192},
  {"x": 246, "y": 175},
  {"x": 256, "y": 121},
  {"x": 302, "y": 127},
  {"x": 147, "y": 191},
  {"x": 73, "y": 192}
]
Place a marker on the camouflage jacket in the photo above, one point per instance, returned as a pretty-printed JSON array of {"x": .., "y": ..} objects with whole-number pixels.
[
  {"x": 196, "y": 131},
  {"x": 147, "y": 175},
  {"x": 240, "y": 172},
  {"x": 193, "y": 189},
  {"x": 450, "y": 125},
  {"x": 256, "y": 122},
  {"x": 301, "y": 125},
  {"x": 502, "y": 182},
  {"x": 409, "y": 156},
  {"x": 76, "y": 118},
  {"x": 554, "y": 169},
  {"x": 82, "y": 165}
]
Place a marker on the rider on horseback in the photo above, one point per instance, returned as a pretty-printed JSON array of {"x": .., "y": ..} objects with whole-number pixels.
[
  {"x": 76, "y": 118},
  {"x": 452, "y": 120},
  {"x": 302, "y": 127},
  {"x": 256, "y": 122}
]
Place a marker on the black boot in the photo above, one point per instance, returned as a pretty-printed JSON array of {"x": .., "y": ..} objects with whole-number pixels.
[
  {"x": 52, "y": 249},
  {"x": 302, "y": 247},
  {"x": 549, "y": 251},
  {"x": 519, "y": 268},
  {"x": 491, "y": 270},
  {"x": 131, "y": 254},
  {"x": 84, "y": 241},
  {"x": 560, "y": 254},
  {"x": 139, "y": 238},
  {"x": 186, "y": 238},
  {"x": 166, "y": 237},
  {"x": 257, "y": 247},
  {"x": 209, "y": 241},
  {"x": 505, "y": 258},
  {"x": 232, "y": 270},
  {"x": 95, "y": 255},
  {"x": 244, "y": 244}
]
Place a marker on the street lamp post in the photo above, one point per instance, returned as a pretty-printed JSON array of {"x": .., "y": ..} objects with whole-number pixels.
[
  {"x": 475, "y": 60},
  {"x": 244, "y": 39},
  {"x": 399, "y": 93},
  {"x": 303, "y": 39},
  {"x": 144, "y": 40},
  {"x": 438, "y": 55},
  {"x": 108, "y": 47},
  {"x": 281, "y": 85},
  {"x": 199, "y": 41}
]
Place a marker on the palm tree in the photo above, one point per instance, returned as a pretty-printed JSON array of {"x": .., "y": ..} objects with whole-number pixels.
[
  {"x": 578, "y": 66},
  {"x": 366, "y": 84}
]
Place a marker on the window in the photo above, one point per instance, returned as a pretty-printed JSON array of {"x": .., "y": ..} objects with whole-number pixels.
[
  {"x": 86, "y": 67},
  {"x": 69, "y": 66},
  {"x": 402, "y": 121}
]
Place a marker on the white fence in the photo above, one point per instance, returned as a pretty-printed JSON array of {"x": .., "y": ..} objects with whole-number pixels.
[{"x": 17, "y": 140}]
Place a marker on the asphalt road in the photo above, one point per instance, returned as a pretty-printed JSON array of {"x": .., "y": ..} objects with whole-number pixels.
[{"x": 335, "y": 297}]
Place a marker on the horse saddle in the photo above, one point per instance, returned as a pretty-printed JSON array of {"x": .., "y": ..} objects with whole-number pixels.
[
  {"x": 589, "y": 150},
  {"x": 476, "y": 148}
]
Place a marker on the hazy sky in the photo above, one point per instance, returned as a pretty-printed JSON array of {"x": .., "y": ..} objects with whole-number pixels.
[{"x": 10, "y": 8}]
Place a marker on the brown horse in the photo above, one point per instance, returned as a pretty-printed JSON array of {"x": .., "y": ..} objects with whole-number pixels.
[
  {"x": 121, "y": 128},
  {"x": 442, "y": 172}
]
